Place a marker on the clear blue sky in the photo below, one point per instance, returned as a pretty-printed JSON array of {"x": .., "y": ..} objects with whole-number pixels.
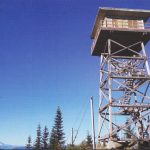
[{"x": 45, "y": 62}]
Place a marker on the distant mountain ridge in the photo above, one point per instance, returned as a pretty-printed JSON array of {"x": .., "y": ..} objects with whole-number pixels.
[{"x": 4, "y": 146}]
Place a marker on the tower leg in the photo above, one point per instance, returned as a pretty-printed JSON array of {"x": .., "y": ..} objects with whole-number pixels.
[{"x": 109, "y": 86}]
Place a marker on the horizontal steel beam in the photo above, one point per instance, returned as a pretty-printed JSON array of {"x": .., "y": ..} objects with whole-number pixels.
[
  {"x": 131, "y": 77},
  {"x": 134, "y": 105},
  {"x": 126, "y": 57}
]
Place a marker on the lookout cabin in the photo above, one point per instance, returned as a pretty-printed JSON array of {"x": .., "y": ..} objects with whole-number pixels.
[{"x": 126, "y": 26}]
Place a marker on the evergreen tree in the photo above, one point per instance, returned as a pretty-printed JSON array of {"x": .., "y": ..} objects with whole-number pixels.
[
  {"x": 52, "y": 142},
  {"x": 45, "y": 139},
  {"x": 89, "y": 144},
  {"x": 28, "y": 146},
  {"x": 38, "y": 145},
  {"x": 57, "y": 134}
]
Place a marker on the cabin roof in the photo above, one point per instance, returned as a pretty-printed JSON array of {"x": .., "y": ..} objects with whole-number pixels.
[{"x": 119, "y": 12}]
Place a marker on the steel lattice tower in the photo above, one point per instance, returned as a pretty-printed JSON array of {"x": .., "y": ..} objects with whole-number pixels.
[{"x": 119, "y": 39}]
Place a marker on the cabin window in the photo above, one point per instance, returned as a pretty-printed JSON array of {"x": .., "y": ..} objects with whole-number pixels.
[
  {"x": 136, "y": 24},
  {"x": 123, "y": 23}
]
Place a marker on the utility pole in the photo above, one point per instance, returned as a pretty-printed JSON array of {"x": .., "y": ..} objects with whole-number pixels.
[
  {"x": 92, "y": 120},
  {"x": 72, "y": 142}
]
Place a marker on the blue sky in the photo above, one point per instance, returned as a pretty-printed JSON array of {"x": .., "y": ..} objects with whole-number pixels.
[{"x": 45, "y": 62}]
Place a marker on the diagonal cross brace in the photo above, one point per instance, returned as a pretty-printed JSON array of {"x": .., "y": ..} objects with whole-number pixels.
[{"x": 125, "y": 126}]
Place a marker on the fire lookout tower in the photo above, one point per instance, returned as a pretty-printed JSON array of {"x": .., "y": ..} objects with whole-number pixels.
[{"x": 119, "y": 39}]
